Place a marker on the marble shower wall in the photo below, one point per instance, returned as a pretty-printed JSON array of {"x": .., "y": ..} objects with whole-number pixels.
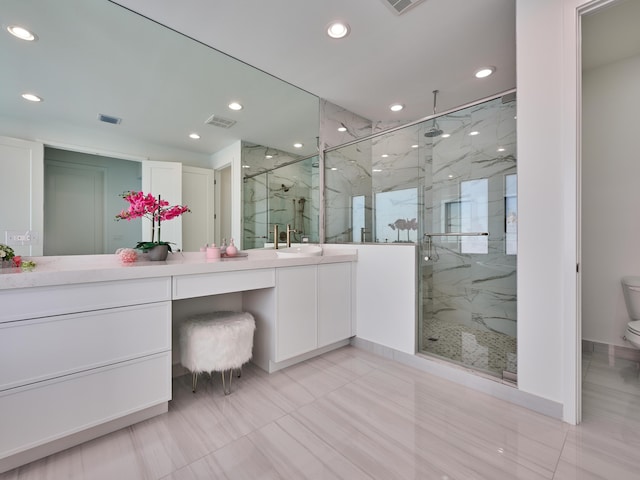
[
  {"x": 477, "y": 290},
  {"x": 474, "y": 289}
]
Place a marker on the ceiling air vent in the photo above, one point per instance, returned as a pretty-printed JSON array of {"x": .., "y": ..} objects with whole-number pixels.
[
  {"x": 401, "y": 6},
  {"x": 221, "y": 122},
  {"x": 109, "y": 119}
]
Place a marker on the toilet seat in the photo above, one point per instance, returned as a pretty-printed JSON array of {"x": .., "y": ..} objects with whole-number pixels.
[{"x": 634, "y": 327}]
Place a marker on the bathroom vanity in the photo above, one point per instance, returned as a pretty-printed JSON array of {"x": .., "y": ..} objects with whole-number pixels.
[{"x": 86, "y": 342}]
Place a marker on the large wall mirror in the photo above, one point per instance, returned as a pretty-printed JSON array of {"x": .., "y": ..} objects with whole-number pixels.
[{"x": 94, "y": 57}]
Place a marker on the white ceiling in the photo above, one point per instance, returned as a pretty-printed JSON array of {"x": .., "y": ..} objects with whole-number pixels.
[{"x": 387, "y": 58}]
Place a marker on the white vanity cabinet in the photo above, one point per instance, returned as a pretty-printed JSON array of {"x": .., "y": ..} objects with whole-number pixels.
[
  {"x": 313, "y": 308},
  {"x": 334, "y": 302},
  {"x": 73, "y": 357},
  {"x": 296, "y": 311}
]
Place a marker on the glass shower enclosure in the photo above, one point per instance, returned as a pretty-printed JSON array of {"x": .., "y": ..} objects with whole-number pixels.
[
  {"x": 448, "y": 185},
  {"x": 285, "y": 195}
]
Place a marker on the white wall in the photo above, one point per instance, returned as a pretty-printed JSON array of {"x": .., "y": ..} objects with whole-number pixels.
[
  {"x": 540, "y": 198},
  {"x": 610, "y": 196},
  {"x": 386, "y": 295},
  {"x": 232, "y": 156},
  {"x": 548, "y": 112}
]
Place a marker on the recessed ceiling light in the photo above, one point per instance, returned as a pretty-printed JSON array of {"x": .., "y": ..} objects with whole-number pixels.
[
  {"x": 338, "y": 29},
  {"x": 22, "y": 33},
  {"x": 484, "y": 72},
  {"x": 268, "y": 157},
  {"x": 501, "y": 149},
  {"x": 396, "y": 107},
  {"x": 445, "y": 135},
  {"x": 31, "y": 97},
  {"x": 342, "y": 129},
  {"x": 235, "y": 106},
  {"x": 415, "y": 146},
  {"x": 384, "y": 155},
  {"x": 194, "y": 135},
  {"x": 450, "y": 176},
  {"x": 377, "y": 170},
  {"x": 298, "y": 145},
  {"x": 475, "y": 132}
]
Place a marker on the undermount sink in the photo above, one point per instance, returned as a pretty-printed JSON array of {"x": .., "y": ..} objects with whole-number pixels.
[{"x": 302, "y": 251}]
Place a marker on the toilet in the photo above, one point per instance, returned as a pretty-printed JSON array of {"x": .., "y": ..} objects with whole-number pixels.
[{"x": 631, "y": 289}]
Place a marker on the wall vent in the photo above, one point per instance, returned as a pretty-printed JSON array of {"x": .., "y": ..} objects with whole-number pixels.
[
  {"x": 221, "y": 122},
  {"x": 109, "y": 119},
  {"x": 401, "y": 6}
]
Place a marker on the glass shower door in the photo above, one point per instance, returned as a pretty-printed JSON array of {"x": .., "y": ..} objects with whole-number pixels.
[{"x": 467, "y": 260}]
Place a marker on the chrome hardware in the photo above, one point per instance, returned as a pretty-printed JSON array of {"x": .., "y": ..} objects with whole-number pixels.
[
  {"x": 276, "y": 236},
  {"x": 429, "y": 236},
  {"x": 289, "y": 232},
  {"x": 363, "y": 232}
]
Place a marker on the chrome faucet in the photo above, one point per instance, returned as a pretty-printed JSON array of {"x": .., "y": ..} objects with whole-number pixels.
[
  {"x": 289, "y": 232},
  {"x": 363, "y": 232}
]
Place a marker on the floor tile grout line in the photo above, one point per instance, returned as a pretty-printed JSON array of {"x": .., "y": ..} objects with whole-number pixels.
[
  {"x": 564, "y": 442},
  {"x": 319, "y": 439}
]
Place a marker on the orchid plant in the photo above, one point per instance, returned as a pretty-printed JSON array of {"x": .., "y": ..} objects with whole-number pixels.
[
  {"x": 156, "y": 210},
  {"x": 6, "y": 253}
]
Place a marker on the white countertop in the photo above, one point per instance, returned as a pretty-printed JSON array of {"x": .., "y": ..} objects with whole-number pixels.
[{"x": 73, "y": 269}]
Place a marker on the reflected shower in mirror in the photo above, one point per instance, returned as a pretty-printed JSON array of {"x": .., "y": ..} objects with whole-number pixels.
[{"x": 117, "y": 84}]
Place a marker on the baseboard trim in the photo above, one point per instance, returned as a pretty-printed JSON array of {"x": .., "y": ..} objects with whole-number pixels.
[
  {"x": 41, "y": 451},
  {"x": 466, "y": 377},
  {"x": 617, "y": 351}
]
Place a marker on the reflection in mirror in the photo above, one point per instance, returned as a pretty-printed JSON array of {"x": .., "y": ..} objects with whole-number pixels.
[
  {"x": 96, "y": 58},
  {"x": 283, "y": 195},
  {"x": 81, "y": 193}
]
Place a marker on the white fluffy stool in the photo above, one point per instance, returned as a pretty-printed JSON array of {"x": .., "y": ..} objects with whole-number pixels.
[{"x": 216, "y": 342}]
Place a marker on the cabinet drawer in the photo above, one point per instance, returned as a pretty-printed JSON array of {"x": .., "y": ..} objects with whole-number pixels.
[
  {"x": 46, "y": 411},
  {"x": 35, "y": 350},
  {"x": 25, "y": 303},
  {"x": 201, "y": 285}
]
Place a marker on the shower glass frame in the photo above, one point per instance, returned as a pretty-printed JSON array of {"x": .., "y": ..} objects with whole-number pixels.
[{"x": 467, "y": 291}]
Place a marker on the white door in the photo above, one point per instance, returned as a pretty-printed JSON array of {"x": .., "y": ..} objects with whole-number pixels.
[
  {"x": 164, "y": 179},
  {"x": 21, "y": 188},
  {"x": 197, "y": 194},
  {"x": 74, "y": 209}
]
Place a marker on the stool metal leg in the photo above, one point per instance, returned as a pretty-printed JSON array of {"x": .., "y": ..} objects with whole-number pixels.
[
  {"x": 194, "y": 381},
  {"x": 225, "y": 387}
]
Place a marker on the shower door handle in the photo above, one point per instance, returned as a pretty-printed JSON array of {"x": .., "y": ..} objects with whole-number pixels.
[
  {"x": 457, "y": 234},
  {"x": 429, "y": 236}
]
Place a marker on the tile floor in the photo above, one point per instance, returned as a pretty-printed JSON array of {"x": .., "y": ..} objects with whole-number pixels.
[
  {"x": 483, "y": 350},
  {"x": 350, "y": 414}
]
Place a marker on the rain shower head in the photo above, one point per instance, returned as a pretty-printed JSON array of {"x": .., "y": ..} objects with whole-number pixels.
[{"x": 434, "y": 131}]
